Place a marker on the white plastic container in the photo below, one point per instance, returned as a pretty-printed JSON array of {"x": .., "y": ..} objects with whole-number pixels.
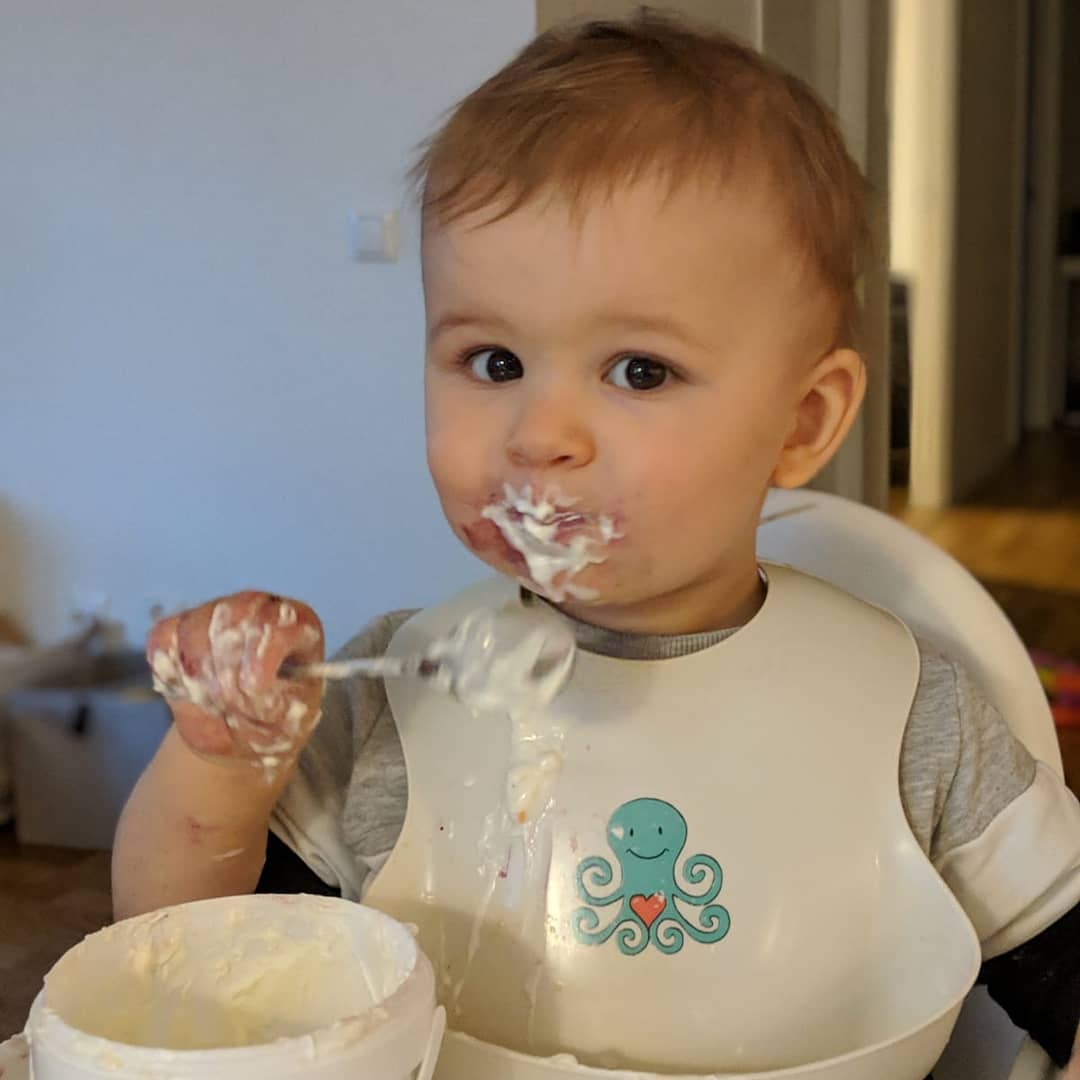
[{"x": 244, "y": 988}]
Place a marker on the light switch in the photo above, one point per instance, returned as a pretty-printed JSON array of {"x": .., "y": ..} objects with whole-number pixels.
[{"x": 374, "y": 237}]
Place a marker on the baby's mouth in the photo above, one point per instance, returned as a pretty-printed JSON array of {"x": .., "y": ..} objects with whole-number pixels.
[
  {"x": 557, "y": 526},
  {"x": 556, "y": 539}
]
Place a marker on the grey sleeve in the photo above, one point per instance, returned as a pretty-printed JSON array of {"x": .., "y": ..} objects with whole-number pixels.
[
  {"x": 350, "y": 710},
  {"x": 960, "y": 765},
  {"x": 1001, "y": 829},
  {"x": 349, "y": 788}
]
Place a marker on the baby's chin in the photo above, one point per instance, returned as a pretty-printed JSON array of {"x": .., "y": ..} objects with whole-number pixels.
[{"x": 590, "y": 588}]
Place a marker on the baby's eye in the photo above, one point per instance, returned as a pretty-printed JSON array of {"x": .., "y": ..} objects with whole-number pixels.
[
  {"x": 495, "y": 365},
  {"x": 638, "y": 373}
]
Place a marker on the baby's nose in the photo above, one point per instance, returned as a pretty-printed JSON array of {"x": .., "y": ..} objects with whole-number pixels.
[{"x": 550, "y": 431}]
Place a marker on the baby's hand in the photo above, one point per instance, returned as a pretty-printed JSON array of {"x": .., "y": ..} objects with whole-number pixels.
[{"x": 217, "y": 667}]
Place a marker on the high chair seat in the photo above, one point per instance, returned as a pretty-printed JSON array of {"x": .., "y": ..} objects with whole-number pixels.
[{"x": 880, "y": 560}]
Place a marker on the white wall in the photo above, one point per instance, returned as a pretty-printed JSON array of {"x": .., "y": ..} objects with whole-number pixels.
[
  {"x": 923, "y": 187},
  {"x": 198, "y": 390}
]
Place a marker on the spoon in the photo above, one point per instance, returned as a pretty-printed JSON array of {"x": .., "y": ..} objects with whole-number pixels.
[{"x": 508, "y": 658}]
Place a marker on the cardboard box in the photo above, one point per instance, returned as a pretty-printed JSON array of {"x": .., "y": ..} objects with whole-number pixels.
[{"x": 78, "y": 745}]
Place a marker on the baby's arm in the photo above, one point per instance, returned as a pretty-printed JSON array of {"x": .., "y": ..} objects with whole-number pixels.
[
  {"x": 196, "y": 824},
  {"x": 192, "y": 829},
  {"x": 1004, "y": 833}
]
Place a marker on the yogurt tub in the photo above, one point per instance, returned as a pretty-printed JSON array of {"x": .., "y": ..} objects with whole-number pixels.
[{"x": 248, "y": 988}]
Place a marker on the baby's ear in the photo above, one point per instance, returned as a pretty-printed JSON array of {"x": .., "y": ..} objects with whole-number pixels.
[{"x": 831, "y": 395}]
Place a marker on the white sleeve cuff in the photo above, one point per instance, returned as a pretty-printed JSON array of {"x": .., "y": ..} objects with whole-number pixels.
[{"x": 1022, "y": 873}]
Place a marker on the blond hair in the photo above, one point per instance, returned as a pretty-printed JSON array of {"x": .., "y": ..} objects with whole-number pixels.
[{"x": 587, "y": 108}]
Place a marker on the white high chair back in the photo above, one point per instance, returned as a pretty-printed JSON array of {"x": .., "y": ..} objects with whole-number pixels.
[{"x": 878, "y": 559}]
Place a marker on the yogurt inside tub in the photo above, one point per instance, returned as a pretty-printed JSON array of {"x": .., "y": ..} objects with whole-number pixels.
[{"x": 260, "y": 987}]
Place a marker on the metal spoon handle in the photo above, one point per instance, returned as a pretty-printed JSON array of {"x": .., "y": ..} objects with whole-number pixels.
[{"x": 371, "y": 667}]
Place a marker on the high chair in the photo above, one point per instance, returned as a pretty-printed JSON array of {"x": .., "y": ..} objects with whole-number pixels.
[{"x": 882, "y": 561}]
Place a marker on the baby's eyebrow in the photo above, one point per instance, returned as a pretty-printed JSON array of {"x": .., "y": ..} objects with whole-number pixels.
[
  {"x": 455, "y": 320},
  {"x": 619, "y": 321},
  {"x": 658, "y": 324}
]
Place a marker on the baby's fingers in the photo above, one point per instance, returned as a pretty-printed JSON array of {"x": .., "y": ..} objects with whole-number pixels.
[
  {"x": 286, "y": 630},
  {"x": 272, "y": 716},
  {"x": 218, "y": 665}
]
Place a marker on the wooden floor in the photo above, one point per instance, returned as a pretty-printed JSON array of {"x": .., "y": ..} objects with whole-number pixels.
[
  {"x": 1021, "y": 537},
  {"x": 50, "y": 898}
]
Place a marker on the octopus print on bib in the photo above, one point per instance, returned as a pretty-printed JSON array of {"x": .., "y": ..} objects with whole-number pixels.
[{"x": 647, "y": 837}]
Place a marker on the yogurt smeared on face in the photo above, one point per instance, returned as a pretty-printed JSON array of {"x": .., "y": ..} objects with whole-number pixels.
[{"x": 556, "y": 540}]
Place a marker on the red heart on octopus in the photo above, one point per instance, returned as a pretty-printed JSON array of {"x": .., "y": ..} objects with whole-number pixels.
[{"x": 648, "y": 908}]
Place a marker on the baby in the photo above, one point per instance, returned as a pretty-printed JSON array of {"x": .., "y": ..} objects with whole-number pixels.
[{"x": 640, "y": 250}]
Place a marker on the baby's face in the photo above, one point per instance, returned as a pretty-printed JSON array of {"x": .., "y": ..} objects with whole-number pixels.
[{"x": 643, "y": 363}]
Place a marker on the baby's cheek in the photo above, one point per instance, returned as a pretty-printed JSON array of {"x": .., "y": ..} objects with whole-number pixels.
[
  {"x": 453, "y": 459},
  {"x": 448, "y": 488}
]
